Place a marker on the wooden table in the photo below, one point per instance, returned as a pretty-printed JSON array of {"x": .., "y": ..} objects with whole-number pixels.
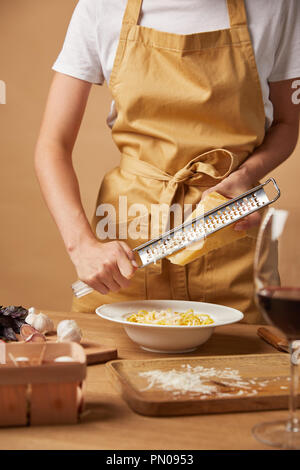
[{"x": 110, "y": 424}]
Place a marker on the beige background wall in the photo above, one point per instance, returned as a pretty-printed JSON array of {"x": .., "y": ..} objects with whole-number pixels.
[{"x": 34, "y": 268}]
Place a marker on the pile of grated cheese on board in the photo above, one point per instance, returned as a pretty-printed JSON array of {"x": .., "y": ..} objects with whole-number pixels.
[
  {"x": 203, "y": 382},
  {"x": 170, "y": 317}
]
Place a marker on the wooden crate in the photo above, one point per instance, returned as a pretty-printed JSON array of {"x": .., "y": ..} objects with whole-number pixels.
[{"x": 47, "y": 393}]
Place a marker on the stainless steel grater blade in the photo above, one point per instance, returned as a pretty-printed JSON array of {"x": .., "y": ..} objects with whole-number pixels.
[
  {"x": 198, "y": 228},
  {"x": 204, "y": 225}
]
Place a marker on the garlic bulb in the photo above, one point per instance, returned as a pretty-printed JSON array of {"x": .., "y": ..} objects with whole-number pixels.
[
  {"x": 41, "y": 322},
  {"x": 68, "y": 330}
]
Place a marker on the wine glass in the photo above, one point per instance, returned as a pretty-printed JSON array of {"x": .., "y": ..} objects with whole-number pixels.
[{"x": 277, "y": 291}]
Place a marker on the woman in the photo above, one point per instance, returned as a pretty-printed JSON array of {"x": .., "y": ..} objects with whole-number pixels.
[{"x": 202, "y": 101}]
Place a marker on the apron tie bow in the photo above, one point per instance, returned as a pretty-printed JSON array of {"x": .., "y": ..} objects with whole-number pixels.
[{"x": 216, "y": 164}]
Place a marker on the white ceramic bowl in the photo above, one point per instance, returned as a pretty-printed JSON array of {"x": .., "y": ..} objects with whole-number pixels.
[{"x": 166, "y": 338}]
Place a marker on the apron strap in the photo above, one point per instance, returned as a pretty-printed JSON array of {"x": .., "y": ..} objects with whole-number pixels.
[
  {"x": 216, "y": 164},
  {"x": 237, "y": 13},
  {"x": 132, "y": 11},
  {"x": 130, "y": 18}
]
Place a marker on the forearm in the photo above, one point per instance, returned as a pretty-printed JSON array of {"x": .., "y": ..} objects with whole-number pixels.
[
  {"x": 60, "y": 188},
  {"x": 105, "y": 267},
  {"x": 278, "y": 145}
]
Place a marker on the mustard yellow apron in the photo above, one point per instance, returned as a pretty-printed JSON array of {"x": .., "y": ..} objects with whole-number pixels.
[{"x": 189, "y": 112}]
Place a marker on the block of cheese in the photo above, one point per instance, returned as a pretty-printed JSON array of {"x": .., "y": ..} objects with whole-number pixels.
[{"x": 212, "y": 242}]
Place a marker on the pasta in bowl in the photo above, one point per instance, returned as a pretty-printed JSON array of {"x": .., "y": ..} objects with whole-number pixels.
[
  {"x": 169, "y": 317},
  {"x": 169, "y": 326}
]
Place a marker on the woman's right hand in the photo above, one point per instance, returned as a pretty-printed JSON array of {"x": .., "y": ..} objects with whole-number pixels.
[{"x": 104, "y": 266}]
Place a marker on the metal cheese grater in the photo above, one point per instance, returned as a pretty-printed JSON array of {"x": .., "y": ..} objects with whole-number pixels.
[{"x": 200, "y": 227}]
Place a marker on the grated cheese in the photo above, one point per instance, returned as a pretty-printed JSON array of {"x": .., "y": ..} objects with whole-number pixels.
[
  {"x": 203, "y": 381},
  {"x": 194, "y": 379}
]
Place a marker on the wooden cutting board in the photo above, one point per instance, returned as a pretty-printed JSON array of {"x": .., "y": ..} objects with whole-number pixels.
[
  {"x": 264, "y": 384},
  {"x": 95, "y": 353}
]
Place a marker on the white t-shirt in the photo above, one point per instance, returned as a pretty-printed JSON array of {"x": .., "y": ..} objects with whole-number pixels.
[{"x": 92, "y": 38}]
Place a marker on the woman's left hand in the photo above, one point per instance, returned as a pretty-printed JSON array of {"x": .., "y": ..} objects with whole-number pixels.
[{"x": 232, "y": 186}]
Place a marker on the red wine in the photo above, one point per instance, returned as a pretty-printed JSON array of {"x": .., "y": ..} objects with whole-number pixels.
[{"x": 281, "y": 306}]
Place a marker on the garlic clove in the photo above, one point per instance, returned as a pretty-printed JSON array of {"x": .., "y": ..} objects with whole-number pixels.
[
  {"x": 27, "y": 330},
  {"x": 64, "y": 359},
  {"x": 35, "y": 338},
  {"x": 22, "y": 360}
]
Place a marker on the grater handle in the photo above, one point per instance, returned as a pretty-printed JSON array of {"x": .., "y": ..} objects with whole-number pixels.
[{"x": 275, "y": 185}]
